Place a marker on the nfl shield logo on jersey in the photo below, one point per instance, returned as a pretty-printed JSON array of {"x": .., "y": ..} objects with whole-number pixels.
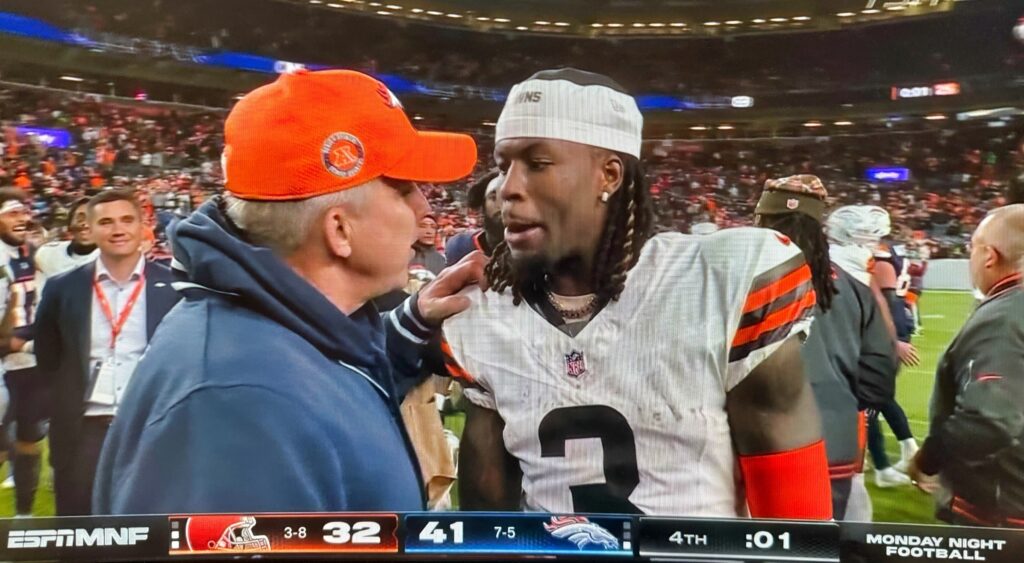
[{"x": 575, "y": 364}]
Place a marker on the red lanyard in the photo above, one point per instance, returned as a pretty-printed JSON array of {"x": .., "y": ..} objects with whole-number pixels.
[{"x": 115, "y": 327}]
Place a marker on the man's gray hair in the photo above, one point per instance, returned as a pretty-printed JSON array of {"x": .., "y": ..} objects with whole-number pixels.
[{"x": 282, "y": 226}]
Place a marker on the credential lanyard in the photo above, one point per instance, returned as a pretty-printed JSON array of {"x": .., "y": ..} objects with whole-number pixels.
[{"x": 118, "y": 325}]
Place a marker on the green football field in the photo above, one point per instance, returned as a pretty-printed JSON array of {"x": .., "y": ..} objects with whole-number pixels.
[{"x": 943, "y": 313}]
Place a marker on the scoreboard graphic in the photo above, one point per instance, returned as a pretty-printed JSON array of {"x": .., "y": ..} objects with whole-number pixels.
[
  {"x": 475, "y": 536},
  {"x": 519, "y": 534},
  {"x": 283, "y": 533}
]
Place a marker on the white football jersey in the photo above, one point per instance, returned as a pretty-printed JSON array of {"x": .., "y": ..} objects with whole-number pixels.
[
  {"x": 54, "y": 258},
  {"x": 629, "y": 415}
]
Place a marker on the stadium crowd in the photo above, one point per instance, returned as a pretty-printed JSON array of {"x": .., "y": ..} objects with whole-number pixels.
[
  {"x": 920, "y": 52},
  {"x": 172, "y": 159}
]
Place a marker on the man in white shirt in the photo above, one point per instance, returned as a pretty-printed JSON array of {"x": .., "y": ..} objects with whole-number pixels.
[
  {"x": 62, "y": 256},
  {"x": 93, "y": 325}
]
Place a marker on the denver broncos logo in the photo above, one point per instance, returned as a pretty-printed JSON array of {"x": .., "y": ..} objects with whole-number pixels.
[{"x": 581, "y": 531}]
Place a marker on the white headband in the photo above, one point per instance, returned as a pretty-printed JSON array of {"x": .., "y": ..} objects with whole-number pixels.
[
  {"x": 11, "y": 206},
  {"x": 590, "y": 114}
]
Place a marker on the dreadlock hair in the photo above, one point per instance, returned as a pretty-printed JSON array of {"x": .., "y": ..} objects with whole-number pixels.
[
  {"x": 807, "y": 233},
  {"x": 629, "y": 225}
]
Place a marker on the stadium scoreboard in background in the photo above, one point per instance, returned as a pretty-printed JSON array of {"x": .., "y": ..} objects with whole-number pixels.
[{"x": 494, "y": 536}]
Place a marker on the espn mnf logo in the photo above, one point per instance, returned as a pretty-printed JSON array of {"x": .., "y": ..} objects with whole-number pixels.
[{"x": 76, "y": 537}]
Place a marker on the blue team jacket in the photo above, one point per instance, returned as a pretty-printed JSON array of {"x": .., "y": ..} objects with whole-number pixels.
[{"x": 258, "y": 395}]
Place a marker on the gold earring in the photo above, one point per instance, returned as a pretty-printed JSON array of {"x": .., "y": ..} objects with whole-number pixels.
[{"x": 605, "y": 196}]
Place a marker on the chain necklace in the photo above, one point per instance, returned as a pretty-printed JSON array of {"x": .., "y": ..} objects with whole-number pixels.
[{"x": 569, "y": 312}]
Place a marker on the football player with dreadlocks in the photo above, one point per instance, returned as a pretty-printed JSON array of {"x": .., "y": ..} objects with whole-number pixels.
[
  {"x": 614, "y": 370},
  {"x": 850, "y": 358}
]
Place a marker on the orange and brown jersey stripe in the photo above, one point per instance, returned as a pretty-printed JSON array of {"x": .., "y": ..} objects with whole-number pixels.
[
  {"x": 779, "y": 299},
  {"x": 452, "y": 366}
]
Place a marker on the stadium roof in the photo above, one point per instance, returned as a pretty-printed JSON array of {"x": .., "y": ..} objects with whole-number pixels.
[{"x": 643, "y": 18}]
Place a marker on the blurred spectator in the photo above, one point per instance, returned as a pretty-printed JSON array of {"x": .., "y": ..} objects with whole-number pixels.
[
  {"x": 957, "y": 174},
  {"x": 426, "y": 256}
]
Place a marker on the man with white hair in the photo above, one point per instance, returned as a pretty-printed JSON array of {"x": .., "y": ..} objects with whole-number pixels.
[{"x": 270, "y": 387}]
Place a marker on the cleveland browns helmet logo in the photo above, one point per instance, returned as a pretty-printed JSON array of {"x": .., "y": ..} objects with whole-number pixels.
[{"x": 224, "y": 533}]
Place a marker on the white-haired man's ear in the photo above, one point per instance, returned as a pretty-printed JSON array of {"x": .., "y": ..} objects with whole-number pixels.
[{"x": 338, "y": 232}]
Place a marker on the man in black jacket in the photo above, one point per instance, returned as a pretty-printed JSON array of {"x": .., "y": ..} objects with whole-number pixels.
[
  {"x": 93, "y": 325},
  {"x": 848, "y": 356},
  {"x": 977, "y": 417}
]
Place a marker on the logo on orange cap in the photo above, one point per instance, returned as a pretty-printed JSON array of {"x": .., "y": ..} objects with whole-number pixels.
[
  {"x": 343, "y": 154},
  {"x": 389, "y": 97}
]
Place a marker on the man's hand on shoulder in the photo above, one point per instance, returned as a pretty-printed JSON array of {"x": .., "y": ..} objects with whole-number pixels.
[{"x": 440, "y": 299}]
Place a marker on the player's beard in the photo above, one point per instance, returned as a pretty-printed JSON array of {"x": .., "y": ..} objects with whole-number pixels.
[
  {"x": 529, "y": 271},
  {"x": 494, "y": 229},
  {"x": 11, "y": 241},
  {"x": 534, "y": 271}
]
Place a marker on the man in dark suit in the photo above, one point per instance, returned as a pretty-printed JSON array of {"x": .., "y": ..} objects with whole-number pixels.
[{"x": 93, "y": 325}]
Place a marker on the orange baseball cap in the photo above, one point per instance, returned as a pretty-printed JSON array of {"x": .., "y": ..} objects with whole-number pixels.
[{"x": 312, "y": 133}]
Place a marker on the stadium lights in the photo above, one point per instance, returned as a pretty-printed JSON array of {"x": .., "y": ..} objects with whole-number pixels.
[
  {"x": 502, "y": 20},
  {"x": 712, "y": 24},
  {"x": 812, "y": 124},
  {"x": 434, "y": 13},
  {"x": 70, "y": 78},
  {"x": 393, "y": 7},
  {"x": 758, "y": 20},
  {"x": 384, "y": 13},
  {"x": 375, "y": 4},
  {"x": 562, "y": 24},
  {"x": 843, "y": 123},
  {"x": 734, "y": 22},
  {"x": 935, "y": 117},
  {"x": 417, "y": 118},
  {"x": 489, "y": 124},
  {"x": 846, "y": 14},
  {"x": 656, "y": 24},
  {"x": 456, "y": 16},
  {"x": 780, "y": 20},
  {"x": 677, "y": 24},
  {"x": 725, "y": 127},
  {"x": 870, "y": 11},
  {"x": 895, "y": 8},
  {"x": 316, "y": 1},
  {"x": 615, "y": 25},
  {"x": 542, "y": 22},
  {"x": 522, "y": 28},
  {"x": 597, "y": 25},
  {"x": 483, "y": 19},
  {"x": 698, "y": 128},
  {"x": 639, "y": 24},
  {"x": 417, "y": 10},
  {"x": 334, "y": 5},
  {"x": 801, "y": 18}
]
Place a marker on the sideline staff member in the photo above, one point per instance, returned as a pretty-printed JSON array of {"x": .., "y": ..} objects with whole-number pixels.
[
  {"x": 270, "y": 389},
  {"x": 92, "y": 327},
  {"x": 974, "y": 443}
]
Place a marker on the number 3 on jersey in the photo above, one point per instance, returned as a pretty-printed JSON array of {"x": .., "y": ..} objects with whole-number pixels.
[{"x": 620, "y": 468}]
